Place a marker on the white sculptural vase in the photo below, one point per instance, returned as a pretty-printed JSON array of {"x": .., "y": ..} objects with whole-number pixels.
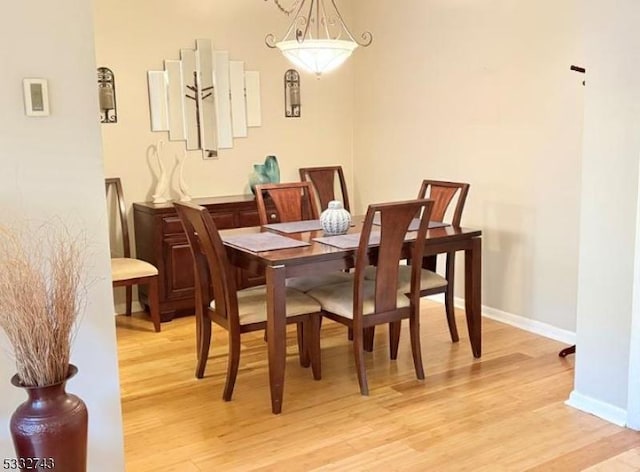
[
  {"x": 335, "y": 219},
  {"x": 183, "y": 190},
  {"x": 163, "y": 180}
]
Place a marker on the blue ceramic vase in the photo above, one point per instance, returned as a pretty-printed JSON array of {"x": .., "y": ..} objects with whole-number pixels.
[
  {"x": 271, "y": 169},
  {"x": 258, "y": 177}
]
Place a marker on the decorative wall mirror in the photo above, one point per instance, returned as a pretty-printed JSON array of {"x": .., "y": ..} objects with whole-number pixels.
[{"x": 204, "y": 99}]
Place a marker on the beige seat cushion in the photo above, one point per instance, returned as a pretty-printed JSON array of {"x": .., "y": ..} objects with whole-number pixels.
[
  {"x": 428, "y": 279},
  {"x": 306, "y": 283},
  {"x": 126, "y": 269},
  {"x": 252, "y": 304},
  {"x": 338, "y": 298}
]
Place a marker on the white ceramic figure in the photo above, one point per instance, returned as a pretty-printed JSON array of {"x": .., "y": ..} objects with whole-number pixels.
[
  {"x": 335, "y": 219},
  {"x": 183, "y": 190},
  {"x": 163, "y": 180}
]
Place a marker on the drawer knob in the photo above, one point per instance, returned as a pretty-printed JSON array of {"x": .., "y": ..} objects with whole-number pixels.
[{"x": 273, "y": 216}]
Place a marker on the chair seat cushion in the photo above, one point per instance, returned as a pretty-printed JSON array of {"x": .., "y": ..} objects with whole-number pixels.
[
  {"x": 126, "y": 269},
  {"x": 306, "y": 283},
  {"x": 338, "y": 298},
  {"x": 428, "y": 279},
  {"x": 252, "y": 304}
]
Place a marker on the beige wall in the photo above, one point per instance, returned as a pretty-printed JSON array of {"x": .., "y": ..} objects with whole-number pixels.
[
  {"x": 609, "y": 217},
  {"x": 134, "y": 37},
  {"x": 52, "y": 168},
  {"x": 481, "y": 92}
]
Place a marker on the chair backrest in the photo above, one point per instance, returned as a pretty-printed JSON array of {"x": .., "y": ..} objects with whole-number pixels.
[
  {"x": 294, "y": 201},
  {"x": 211, "y": 265},
  {"x": 323, "y": 179},
  {"x": 115, "y": 185},
  {"x": 442, "y": 192},
  {"x": 395, "y": 219}
]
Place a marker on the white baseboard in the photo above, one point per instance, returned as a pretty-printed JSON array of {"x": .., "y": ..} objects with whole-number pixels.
[
  {"x": 603, "y": 410},
  {"x": 527, "y": 324}
]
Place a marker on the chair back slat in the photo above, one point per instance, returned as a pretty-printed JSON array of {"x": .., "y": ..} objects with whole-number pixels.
[
  {"x": 294, "y": 201},
  {"x": 442, "y": 193},
  {"x": 395, "y": 219},
  {"x": 114, "y": 185},
  {"x": 212, "y": 267},
  {"x": 323, "y": 179}
]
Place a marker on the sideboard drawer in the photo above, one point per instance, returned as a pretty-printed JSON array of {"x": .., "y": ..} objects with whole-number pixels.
[
  {"x": 172, "y": 225},
  {"x": 223, "y": 220}
]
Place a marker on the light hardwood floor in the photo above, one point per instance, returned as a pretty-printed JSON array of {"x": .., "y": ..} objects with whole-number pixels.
[{"x": 503, "y": 412}]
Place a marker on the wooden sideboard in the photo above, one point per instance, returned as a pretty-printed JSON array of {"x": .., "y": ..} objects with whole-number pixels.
[{"x": 161, "y": 241}]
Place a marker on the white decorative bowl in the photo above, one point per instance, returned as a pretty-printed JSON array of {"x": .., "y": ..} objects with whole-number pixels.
[{"x": 335, "y": 219}]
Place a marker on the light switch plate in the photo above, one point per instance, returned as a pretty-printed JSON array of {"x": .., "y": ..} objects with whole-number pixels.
[{"x": 36, "y": 97}]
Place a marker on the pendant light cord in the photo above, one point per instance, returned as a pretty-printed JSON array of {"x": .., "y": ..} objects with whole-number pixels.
[{"x": 286, "y": 11}]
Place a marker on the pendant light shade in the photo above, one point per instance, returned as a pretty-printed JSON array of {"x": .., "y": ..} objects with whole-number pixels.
[
  {"x": 317, "y": 40},
  {"x": 317, "y": 56}
]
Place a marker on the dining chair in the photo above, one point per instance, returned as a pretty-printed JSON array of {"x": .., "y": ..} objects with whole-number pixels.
[
  {"x": 442, "y": 193},
  {"x": 295, "y": 201},
  {"x": 361, "y": 304},
  {"x": 238, "y": 311},
  {"x": 324, "y": 182},
  {"x": 127, "y": 271}
]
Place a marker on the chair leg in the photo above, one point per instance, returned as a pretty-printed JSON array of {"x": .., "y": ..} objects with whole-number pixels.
[
  {"x": 302, "y": 348},
  {"x": 369, "y": 333},
  {"x": 394, "y": 338},
  {"x": 154, "y": 303},
  {"x": 448, "y": 297},
  {"x": 312, "y": 344},
  {"x": 416, "y": 350},
  {"x": 232, "y": 364},
  {"x": 358, "y": 353},
  {"x": 129, "y": 299},
  {"x": 203, "y": 341}
]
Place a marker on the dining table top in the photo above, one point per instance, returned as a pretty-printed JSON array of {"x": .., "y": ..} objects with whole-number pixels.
[{"x": 318, "y": 250}]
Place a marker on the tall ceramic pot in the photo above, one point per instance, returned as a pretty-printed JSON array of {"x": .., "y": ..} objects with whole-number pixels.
[
  {"x": 50, "y": 427},
  {"x": 272, "y": 169}
]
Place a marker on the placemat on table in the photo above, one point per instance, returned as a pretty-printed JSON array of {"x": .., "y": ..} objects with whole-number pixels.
[
  {"x": 295, "y": 226},
  {"x": 259, "y": 242}
]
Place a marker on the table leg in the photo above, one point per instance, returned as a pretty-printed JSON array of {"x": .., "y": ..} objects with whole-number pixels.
[
  {"x": 276, "y": 333},
  {"x": 472, "y": 294}
]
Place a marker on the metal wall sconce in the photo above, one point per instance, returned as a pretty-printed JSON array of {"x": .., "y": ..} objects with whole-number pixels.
[
  {"x": 292, "y": 94},
  {"x": 107, "y": 95}
]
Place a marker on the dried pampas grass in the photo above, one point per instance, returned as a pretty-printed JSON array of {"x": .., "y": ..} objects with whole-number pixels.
[{"x": 41, "y": 291}]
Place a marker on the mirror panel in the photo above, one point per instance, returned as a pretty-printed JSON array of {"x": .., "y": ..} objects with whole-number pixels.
[
  {"x": 238, "y": 103},
  {"x": 177, "y": 130},
  {"x": 225, "y": 134},
  {"x": 205, "y": 102},
  {"x": 190, "y": 77},
  {"x": 158, "y": 100}
]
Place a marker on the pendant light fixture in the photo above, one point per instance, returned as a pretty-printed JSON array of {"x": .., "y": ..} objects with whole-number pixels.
[{"x": 317, "y": 40}]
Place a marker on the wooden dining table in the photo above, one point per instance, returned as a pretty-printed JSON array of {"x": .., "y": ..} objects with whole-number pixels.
[{"x": 317, "y": 258}]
